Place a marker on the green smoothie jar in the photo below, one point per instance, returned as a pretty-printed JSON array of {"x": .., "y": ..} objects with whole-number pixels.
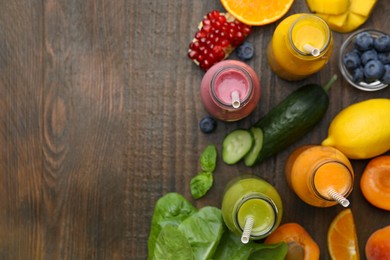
[{"x": 251, "y": 208}]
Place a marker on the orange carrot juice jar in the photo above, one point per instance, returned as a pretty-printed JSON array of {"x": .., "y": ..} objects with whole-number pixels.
[
  {"x": 321, "y": 176},
  {"x": 301, "y": 45}
]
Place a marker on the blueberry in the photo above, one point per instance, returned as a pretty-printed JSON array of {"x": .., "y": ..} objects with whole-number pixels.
[
  {"x": 351, "y": 60},
  {"x": 369, "y": 55},
  {"x": 358, "y": 74},
  {"x": 364, "y": 41},
  {"x": 386, "y": 75},
  {"x": 245, "y": 51},
  {"x": 382, "y": 43},
  {"x": 384, "y": 57},
  {"x": 373, "y": 70},
  {"x": 207, "y": 124}
]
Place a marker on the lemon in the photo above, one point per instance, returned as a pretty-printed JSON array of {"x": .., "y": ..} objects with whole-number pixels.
[{"x": 361, "y": 130}]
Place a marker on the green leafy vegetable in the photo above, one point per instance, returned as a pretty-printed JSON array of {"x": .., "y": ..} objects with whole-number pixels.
[
  {"x": 179, "y": 231},
  {"x": 203, "y": 181},
  {"x": 170, "y": 209},
  {"x": 172, "y": 244},
  {"x": 208, "y": 159},
  {"x": 231, "y": 247},
  {"x": 201, "y": 184},
  {"x": 203, "y": 231}
]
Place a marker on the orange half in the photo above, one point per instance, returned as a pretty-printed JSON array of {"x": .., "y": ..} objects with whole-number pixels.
[
  {"x": 257, "y": 12},
  {"x": 342, "y": 238}
]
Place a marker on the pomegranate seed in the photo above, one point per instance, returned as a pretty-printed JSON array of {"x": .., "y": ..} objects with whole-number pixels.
[
  {"x": 216, "y": 40},
  {"x": 203, "y": 40},
  {"x": 224, "y": 43},
  {"x": 222, "y": 34},
  {"x": 194, "y": 45},
  {"x": 215, "y": 14},
  {"x": 217, "y": 24},
  {"x": 206, "y": 28},
  {"x": 192, "y": 54},
  {"x": 206, "y": 21},
  {"x": 200, "y": 58},
  {"x": 222, "y": 19},
  {"x": 199, "y": 35}
]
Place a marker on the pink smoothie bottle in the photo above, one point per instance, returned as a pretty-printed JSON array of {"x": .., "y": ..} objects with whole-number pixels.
[{"x": 230, "y": 90}]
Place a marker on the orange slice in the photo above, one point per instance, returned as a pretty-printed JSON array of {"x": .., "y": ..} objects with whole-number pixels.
[
  {"x": 257, "y": 12},
  {"x": 342, "y": 238}
]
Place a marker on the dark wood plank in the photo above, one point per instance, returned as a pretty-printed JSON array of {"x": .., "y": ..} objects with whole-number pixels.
[{"x": 99, "y": 112}]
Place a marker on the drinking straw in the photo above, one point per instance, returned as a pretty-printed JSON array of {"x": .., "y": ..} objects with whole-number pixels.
[
  {"x": 236, "y": 99},
  {"x": 246, "y": 234},
  {"x": 312, "y": 50},
  {"x": 338, "y": 197}
]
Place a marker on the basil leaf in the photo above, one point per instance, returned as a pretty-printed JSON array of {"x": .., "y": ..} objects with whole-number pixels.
[
  {"x": 172, "y": 244},
  {"x": 208, "y": 159},
  {"x": 170, "y": 209},
  {"x": 201, "y": 184},
  {"x": 203, "y": 231}
]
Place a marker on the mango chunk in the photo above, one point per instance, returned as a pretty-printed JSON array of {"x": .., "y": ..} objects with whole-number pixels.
[
  {"x": 338, "y": 20},
  {"x": 333, "y": 7},
  {"x": 362, "y": 7}
]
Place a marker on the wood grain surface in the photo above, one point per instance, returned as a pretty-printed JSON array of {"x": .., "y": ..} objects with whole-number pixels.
[{"x": 99, "y": 112}]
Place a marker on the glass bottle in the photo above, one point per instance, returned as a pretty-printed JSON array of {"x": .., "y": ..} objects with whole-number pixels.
[
  {"x": 251, "y": 197},
  {"x": 230, "y": 90},
  {"x": 321, "y": 176},
  {"x": 301, "y": 45}
]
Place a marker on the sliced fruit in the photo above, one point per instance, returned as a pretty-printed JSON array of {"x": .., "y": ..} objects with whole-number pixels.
[
  {"x": 342, "y": 237},
  {"x": 329, "y": 6},
  {"x": 342, "y": 15},
  {"x": 218, "y": 35},
  {"x": 257, "y": 12},
  {"x": 362, "y": 7},
  {"x": 375, "y": 182}
]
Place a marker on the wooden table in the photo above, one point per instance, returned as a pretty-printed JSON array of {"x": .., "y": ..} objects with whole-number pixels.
[{"x": 99, "y": 112}]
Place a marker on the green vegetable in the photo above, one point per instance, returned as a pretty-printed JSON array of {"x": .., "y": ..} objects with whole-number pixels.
[
  {"x": 203, "y": 231},
  {"x": 251, "y": 157},
  {"x": 171, "y": 209},
  {"x": 179, "y": 231},
  {"x": 236, "y": 145},
  {"x": 172, "y": 244},
  {"x": 289, "y": 121},
  {"x": 208, "y": 159},
  {"x": 231, "y": 247},
  {"x": 201, "y": 184}
]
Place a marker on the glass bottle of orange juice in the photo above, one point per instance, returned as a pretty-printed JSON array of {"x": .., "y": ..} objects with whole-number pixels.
[
  {"x": 300, "y": 46},
  {"x": 321, "y": 176},
  {"x": 251, "y": 208}
]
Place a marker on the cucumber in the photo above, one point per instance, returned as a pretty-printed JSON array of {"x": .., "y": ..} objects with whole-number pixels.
[
  {"x": 236, "y": 145},
  {"x": 285, "y": 124},
  {"x": 251, "y": 157}
]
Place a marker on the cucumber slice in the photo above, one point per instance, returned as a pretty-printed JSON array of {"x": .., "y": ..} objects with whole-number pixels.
[
  {"x": 236, "y": 145},
  {"x": 251, "y": 157}
]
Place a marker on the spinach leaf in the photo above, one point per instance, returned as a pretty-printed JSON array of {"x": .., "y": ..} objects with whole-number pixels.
[
  {"x": 208, "y": 158},
  {"x": 231, "y": 247},
  {"x": 170, "y": 209},
  {"x": 203, "y": 231},
  {"x": 269, "y": 252},
  {"x": 172, "y": 244},
  {"x": 201, "y": 184}
]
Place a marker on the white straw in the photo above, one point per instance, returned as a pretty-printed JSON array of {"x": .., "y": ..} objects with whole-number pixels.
[
  {"x": 246, "y": 234},
  {"x": 312, "y": 50},
  {"x": 338, "y": 197},
  {"x": 236, "y": 99}
]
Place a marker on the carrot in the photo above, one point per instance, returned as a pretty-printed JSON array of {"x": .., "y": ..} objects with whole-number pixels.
[
  {"x": 300, "y": 244},
  {"x": 375, "y": 182}
]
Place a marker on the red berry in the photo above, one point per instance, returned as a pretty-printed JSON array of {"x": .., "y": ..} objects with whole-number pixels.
[{"x": 218, "y": 35}]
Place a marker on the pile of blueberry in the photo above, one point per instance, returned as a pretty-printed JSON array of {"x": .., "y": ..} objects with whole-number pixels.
[{"x": 369, "y": 60}]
